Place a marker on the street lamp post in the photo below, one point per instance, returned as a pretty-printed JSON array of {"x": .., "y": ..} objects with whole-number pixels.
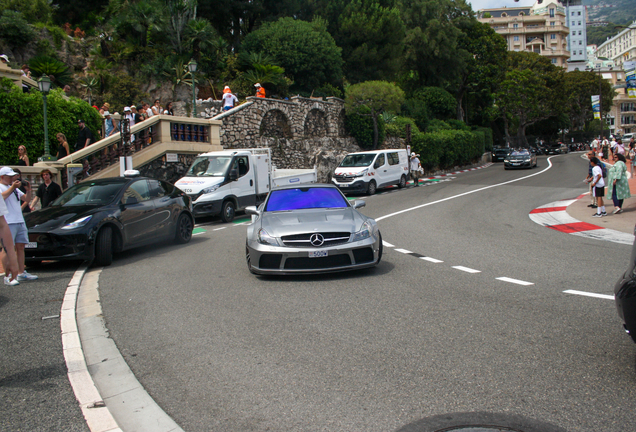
[
  {"x": 44, "y": 84},
  {"x": 600, "y": 100},
  {"x": 192, "y": 67}
]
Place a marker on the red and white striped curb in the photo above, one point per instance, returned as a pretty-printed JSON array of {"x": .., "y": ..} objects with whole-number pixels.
[
  {"x": 555, "y": 216},
  {"x": 459, "y": 172}
]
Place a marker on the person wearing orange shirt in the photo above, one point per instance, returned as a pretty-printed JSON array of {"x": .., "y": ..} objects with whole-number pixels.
[{"x": 260, "y": 91}]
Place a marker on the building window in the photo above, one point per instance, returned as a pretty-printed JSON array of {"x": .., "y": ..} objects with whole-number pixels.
[
  {"x": 580, "y": 52},
  {"x": 628, "y": 107},
  {"x": 552, "y": 23},
  {"x": 516, "y": 38},
  {"x": 580, "y": 42},
  {"x": 628, "y": 119},
  {"x": 579, "y": 22},
  {"x": 515, "y": 26},
  {"x": 579, "y": 13},
  {"x": 552, "y": 36},
  {"x": 554, "y": 61},
  {"x": 551, "y": 12}
]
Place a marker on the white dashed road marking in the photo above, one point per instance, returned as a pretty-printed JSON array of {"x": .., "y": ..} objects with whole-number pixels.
[
  {"x": 387, "y": 244},
  {"x": 466, "y": 269},
  {"x": 218, "y": 229},
  {"x": 514, "y": 281},
  {"x": 433, "y": 260},
  {"x": 404, "y": 251},
  {"x": 587, "y": 294}
]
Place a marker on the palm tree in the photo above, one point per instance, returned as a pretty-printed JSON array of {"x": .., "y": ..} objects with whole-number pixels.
[{"x": 89, "y": 84}]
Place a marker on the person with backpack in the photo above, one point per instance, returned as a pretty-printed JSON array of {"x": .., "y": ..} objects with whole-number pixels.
[{"x": 598, "y": 184}]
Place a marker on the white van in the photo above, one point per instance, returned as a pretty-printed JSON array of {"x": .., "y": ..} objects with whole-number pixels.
[{"x": 367, "y": 171}]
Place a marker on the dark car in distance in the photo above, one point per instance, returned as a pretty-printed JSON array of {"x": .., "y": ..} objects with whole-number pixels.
[
  {"x": 499, "y": 154},
  {"x": 625, "y": 296},
  {"x": 95, "y": 219},
  {"x": 520, "y": 159}
]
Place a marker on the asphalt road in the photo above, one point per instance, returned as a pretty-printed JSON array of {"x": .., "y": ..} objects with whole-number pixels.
[{"x": 432, "y": 333}]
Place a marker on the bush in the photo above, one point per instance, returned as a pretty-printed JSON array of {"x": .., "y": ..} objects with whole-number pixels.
[
  {"x": 448, "y": 148},
  {"x": 361, "y": 128},
  {"x": 441, "y": 104},
  {"x": 437, "y": 125},
  {"x": 397, "y": 128},
  {"x": 418, "y": 111},
  {"x": 53, "y": 68},
  {"x": 488, "y": 140},
  {"x": 457, "y": 124},
  {"x": 22, "y": 121},
  {"x": 15, "y": 30}
]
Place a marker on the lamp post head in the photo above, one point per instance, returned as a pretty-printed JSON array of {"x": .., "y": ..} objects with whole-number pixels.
[
  {"x": 44, "y": 84},
  {"x": 192, "y": 66}
]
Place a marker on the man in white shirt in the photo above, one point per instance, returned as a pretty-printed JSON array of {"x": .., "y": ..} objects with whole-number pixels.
[
  {"x": 9, "y": 186},
  {"x": 228, "y": 99},
  {"x": 594, "y": 146},
  {"x": 415, "y": 169}
]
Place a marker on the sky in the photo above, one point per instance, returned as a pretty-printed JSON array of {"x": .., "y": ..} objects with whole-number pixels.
[{"x": 489, "y": 4}]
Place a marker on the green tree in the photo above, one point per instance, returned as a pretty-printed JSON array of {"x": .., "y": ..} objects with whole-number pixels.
[
  {"x": 305, "y": 50},
  {"x": 376, "y": 97},
  {"x": 56, "y": 70},
  {"x": 33, "y": 11},
  {"x": 180, "y": 12},
  {"x": 372, "y": 40},
  {"x": 432, "y": 35},
  {"x": 15, "y": 30},
  {"x": 531, "y": 91},
  {"x": 579, "y": 87},
  {"x": 200, "y": 36},
  {"x": 484, "y": 55},
  {"x": 441, "y": 104}
]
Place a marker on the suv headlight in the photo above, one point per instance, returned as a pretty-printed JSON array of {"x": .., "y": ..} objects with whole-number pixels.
[
  {"x": 264, "y": 238},
  {"x": 77, "y": 223},
  {"x": 365, "y": 232}
]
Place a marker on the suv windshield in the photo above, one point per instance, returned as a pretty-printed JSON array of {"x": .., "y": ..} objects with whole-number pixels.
[
  {"x": 89, "y": 193},
  {"x": 305, "y": 198},
  {"x": 209, "y": 166},
  {"x": 358, "y": 160}
]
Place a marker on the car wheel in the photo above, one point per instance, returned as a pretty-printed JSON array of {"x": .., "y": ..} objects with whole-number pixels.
[
  {"x": 372, "y": 187},
  {"x": 380, "y": 250},
  {"x": 248, "y": 259},
  {"x": 183, "y": 232},
  {"x": 228, "y": 212},
  {"x": 104, "y": 247},
  {"x": 402, "y": 182}
]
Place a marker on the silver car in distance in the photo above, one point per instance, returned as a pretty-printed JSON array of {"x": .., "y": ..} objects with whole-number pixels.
[{"x": 310, "y": 229}]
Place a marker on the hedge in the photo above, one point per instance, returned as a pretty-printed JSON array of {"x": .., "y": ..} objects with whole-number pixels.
[
  {"x": 448, "y": 148},
  {"x": 22, "y": 121}
]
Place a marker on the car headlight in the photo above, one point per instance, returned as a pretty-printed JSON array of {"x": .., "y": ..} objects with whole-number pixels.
[
  {"x": 264, "y": 238},
  {"x": 361, "y": 173},
  {"x": 365, "y": 232},
  {"x": 210, "y": 189},
  {"x": 506, "y": 160},
  {"x": 77, "y": 223}
]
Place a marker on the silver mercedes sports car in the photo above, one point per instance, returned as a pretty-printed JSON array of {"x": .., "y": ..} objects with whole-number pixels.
[{"x": 310, "y": 229}]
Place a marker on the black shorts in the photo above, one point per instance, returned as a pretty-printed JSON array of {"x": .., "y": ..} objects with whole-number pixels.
[{"x": 599, "y": 192}]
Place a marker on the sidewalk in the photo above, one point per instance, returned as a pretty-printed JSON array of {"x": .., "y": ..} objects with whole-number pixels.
[{"x": 623, "y": 221}]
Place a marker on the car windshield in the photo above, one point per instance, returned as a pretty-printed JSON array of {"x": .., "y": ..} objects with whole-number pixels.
[
  {"x": 358, "y": 160},
  {"x": 209, "y": 166},
  {"x": 89, "y": 193},
  {"x": 305, "y": 198},
  {"x": 519, "y": 153},
  {"x": 501, "y": 151}
]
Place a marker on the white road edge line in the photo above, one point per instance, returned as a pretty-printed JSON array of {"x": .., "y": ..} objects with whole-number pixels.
[
  {"x": 514, "y": 281},
  {"x": 465, "y": 193},
  {"x": 587, "y": 294},
  {"x": 433, "y": 260},
  {"x": 466, "y": 269},
  {"x": 199, "y": 233},
  {"x": 218, "y": 229}
]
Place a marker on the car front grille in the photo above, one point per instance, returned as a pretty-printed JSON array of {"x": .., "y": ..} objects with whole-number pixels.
[
  {"x": 305, "y": 263},
  {"x": 363, "y": 255},
  {"x": 341, "y": 178},
  {"x": 304, "y": 240}
]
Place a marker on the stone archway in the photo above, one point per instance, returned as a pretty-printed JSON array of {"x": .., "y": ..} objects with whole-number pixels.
[
  {"x": 275, "y": 124},
  {"x": 316, "y": 125}
]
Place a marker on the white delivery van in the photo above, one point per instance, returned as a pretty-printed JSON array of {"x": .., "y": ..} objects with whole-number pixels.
[
  {"x": 367, "y": 171},
  {"x": 224, "y": 182}
]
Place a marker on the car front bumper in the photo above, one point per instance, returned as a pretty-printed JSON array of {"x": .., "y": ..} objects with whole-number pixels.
[
  {"x": 58, "y": 246},
  {"x": 518, "y": 165},
  {"x": 266, "y": 259},
  {"x": 354, "y": 186}
]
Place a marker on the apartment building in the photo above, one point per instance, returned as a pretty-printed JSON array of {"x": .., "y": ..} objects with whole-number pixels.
[
  {"x": 577, "y": 39},
  {"x": 542, "y": 28},
  {"x": 620, "y": 48}
]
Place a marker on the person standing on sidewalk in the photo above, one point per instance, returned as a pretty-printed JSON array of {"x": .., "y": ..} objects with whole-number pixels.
[
  {"x": 9, "y": 184},
  {"x": 415, "y": 167},
  {"x": 589, "y": 179},
  {"x": 599, "y": 187},
  {"x": 618, "y": 186}
]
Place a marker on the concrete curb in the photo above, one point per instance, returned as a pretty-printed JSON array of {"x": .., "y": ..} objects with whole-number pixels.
[{"x": 111, "y": 398}]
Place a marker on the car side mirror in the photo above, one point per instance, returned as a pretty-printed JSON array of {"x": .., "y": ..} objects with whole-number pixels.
[
  {"x": 359, "y": 204},
  {"x": 252, "y": 211},
  {"x": 131, "y": 200},
  {"x": 233, "y": 175}
]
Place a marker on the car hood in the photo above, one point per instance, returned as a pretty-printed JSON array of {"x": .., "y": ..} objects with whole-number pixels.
[
  {"x": 197, "y": 184},
  {"x": 54, "y": 217},
  {"x": 280, "y": 224}
]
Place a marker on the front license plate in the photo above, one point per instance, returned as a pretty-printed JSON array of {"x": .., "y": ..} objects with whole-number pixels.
[
  {"x": 316, "y": 254},
  {"x": 344, "y": 185},
  {"x": 31, "y": 245}
]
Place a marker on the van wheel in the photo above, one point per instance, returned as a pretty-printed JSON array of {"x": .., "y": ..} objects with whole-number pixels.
[
  {"x": 372, "y": 188},
  {"x": 104, "y": 247},
  {"x": 228, "y": 212},
  {"x": 402, "y": 182}
]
